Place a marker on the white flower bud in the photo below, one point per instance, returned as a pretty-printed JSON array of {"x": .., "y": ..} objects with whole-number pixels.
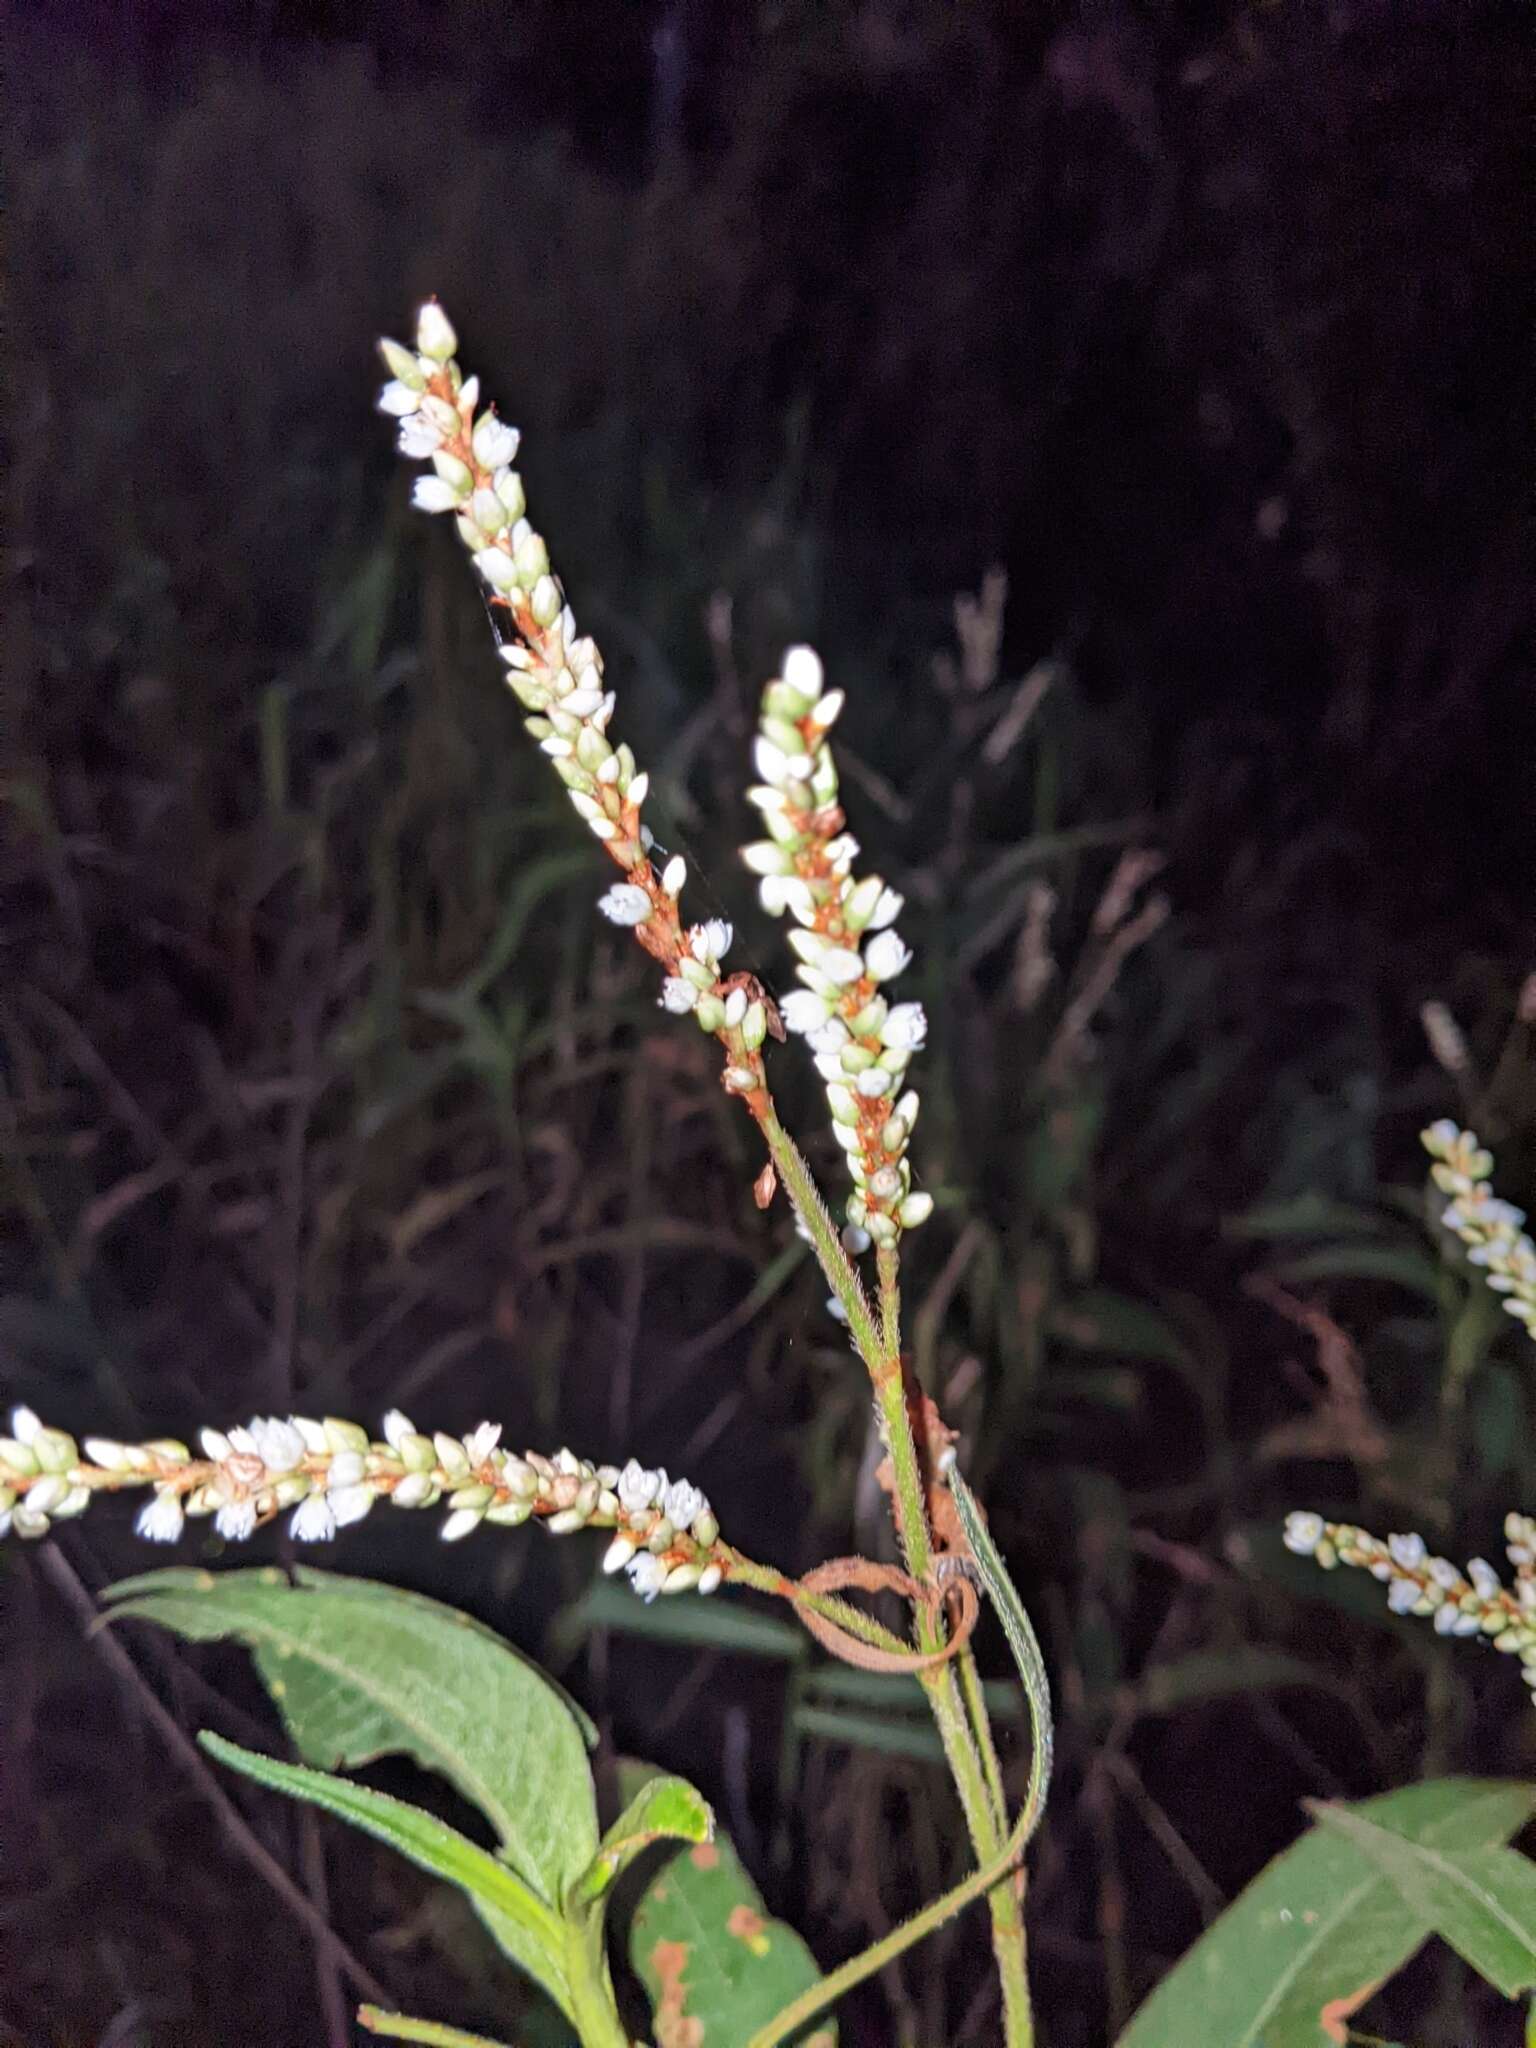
[
  {"x": 495, "y": 565},
  {"x": 802, "y": 672},
  {"x": 350, "y": 1503},
  {"x": 916, "y": 1209},
  {"x": 432, "y": 494},
  {"x": 764, "y": 858},
  {"x": 674, "y": 874},
  {"x": 735, "y": 1008},
  {"x": 434, "y": 333},
  {"x": 805, "y": 1013},
  {"x": 678, "y": 996},
  {"x": 399, "y": 399},
  {"x": 841, "y": 965}
]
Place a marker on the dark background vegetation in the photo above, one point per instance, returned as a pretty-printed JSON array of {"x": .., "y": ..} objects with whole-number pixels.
[{"x": 324, "y": 1088}]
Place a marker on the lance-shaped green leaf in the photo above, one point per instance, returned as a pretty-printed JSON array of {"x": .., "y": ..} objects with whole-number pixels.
[
  {"x": 1481, "y": 1901},
  {"x": 1320, "y": 1927},
  {"x": 663, "y": 1810},
  {"x": 715, "y": 1965},
  {"x": 359, "y": 1671},
  {"x": 523, "y": 1926}
]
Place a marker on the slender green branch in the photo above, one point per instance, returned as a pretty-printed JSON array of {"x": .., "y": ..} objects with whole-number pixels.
[
  {"x": 784, "y": 2025},
  {"x": 395, "y": 2026}
]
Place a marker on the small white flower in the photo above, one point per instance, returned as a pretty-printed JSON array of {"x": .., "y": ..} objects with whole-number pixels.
[
  {"x": 1403, "y": 1595},
  {"x": 887, "y": 910},
  {"x": 215, "y": 1444},
  {"x": 313, "y": 1520},
  {"x": 886, "y": 956},
  {"x": 646, "y": 1575},
  {"x": 482, "y": 1441},
  {"x": 236, "y": 1520},
  {"x": 625, "y": 903},
  {"x": 1303, "y": 1532},
  {"x": 1407, "y": 1552},
  {"x": 711, "y": 941},
  {"x": 419, "y": 437},
  {"x": 674, "y": 874},
  {"x": 495, "y": 445},
  {"x": 683, "y": 1504},
  {"x": 804, "y": 1012},
  {"x": 278, "y": 1444},
  {"x": 161, "y": 1520},
  {"x": 398, "y": 399},
  {"x": 637, "y": 1488},
  {"x": 677, "y": 995},
  {"x": 346, "y": 1470},
  {"x": 830, "y": 1038},
  {"x": 618, "y": 1554},
  {"x": 735, "y": 1008},
  {"x": 350, "y": 1503},
  {"x": 24, "y": 1425},
  {"x": 906, "y": 1025}
]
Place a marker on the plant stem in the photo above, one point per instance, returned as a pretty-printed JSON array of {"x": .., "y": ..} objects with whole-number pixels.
[
  {"x": 397, "y": 2027},
  {"x": 880, "y": 1348}
]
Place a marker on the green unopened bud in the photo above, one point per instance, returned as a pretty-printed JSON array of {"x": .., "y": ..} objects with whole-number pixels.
[
  {"x": 544, "y": 601},
  {"x": 682, "y": 1578},
  {"x": 710, "y": 1012},
  {"x": 661, "y": 1538},
  {"x": 786, "y": 737},
  {"x": 531, "y": 557},
  {"x": 477, "y": 1496},
  {"x": 880, "y": 1228},
  {"x": 509, "y": 488},
  {"x": 566, "y": 1522},
  {"x": 451, "y": 1454},
  {"x": 754, "y": 1026},
  {"x": 403, "y": 364},
  {"x": 592, "y": 750},
  {"x": 16, "y": 1458},
  {"x": 782, "y": 704},
  {"x": 345, "y": 1436},
  {"x": 456, "y": 474},
  {"x": 705, "y": 1529},
  {"x": 55, "y": 1450},
  {"x": 509, "y": 1514}
]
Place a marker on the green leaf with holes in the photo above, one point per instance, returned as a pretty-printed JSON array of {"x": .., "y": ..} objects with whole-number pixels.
[
  {"x": 360, "y": 1671},
  {"x": 1322, "y": 1926},
  {"x": 715, "y": 1964}
]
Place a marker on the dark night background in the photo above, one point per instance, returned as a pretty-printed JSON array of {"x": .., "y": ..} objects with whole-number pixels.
[{"x": 1207, "y": 325}]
